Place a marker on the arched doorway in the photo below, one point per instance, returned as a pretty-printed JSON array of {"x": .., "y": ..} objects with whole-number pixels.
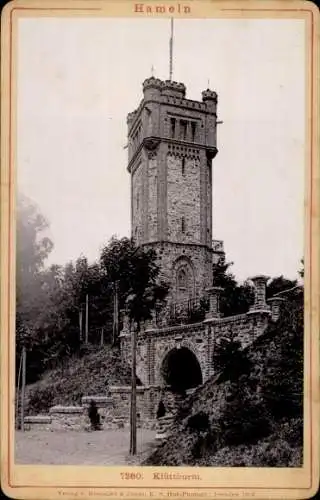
[{"x": 181, "y": 370}]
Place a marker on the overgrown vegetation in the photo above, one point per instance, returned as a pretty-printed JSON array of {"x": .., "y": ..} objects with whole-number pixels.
[
  {"x": 51, "y": 301},
  {"x": 251, "y": 415},
  {"x": 237, "y": 298},
  {"x": 88, "y": 375}
]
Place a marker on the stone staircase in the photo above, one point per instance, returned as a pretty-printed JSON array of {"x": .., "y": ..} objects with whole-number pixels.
[
  {"x": 163, "y": 426},
  {"x": 171, "y": 402}
]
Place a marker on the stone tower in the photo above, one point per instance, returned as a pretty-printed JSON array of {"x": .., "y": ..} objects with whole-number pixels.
[{"x": 171, "y": 145}]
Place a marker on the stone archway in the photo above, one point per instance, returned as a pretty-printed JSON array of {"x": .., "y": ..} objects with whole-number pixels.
[{"x": 180, "y": 369}]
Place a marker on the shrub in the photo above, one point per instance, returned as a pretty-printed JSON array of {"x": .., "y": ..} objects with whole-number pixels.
[
  {"x": 273, "y": 454},
  {"x": 229, "y": 358},
  {"x": 40, "y": 400},
  {"x": 244, "y": 419}
]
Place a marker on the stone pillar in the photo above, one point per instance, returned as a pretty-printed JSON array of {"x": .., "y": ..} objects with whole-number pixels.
[
  {"x": 177, "y": 130},
  {"x": 151, "y": 324},
  {"x": 125, "y": 321},
  {"x": 214, "y": 298},
  {"x": 260, "y": 283},
  {"x": 275, "y": 304}
]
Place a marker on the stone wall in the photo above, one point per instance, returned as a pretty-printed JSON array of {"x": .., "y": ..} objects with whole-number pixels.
[
  {"x": 152, "y": 201},
  {"x": 114, "y": 411},
  {"x": 105, "y": 407},
  {"x": 198, "y": 257},
  {"x": 37, "y": 422},
  {"x": 154, "y": 344},
  {"x": 183, "y": 192},
  {"x": 67, "y": 417},
  {"x": 152, "y": 348},
  {"x": 137, "y": 202}
]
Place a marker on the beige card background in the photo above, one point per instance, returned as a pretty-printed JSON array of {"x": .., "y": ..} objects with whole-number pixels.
[{"x": 24, "y": 481}]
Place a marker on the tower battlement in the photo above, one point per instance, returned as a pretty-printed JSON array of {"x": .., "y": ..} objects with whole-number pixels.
[
  {"x": 167, "y": 92},
  {"x": 168, "y": 87},
  {"x": 209, "y": 95},
  {"x": 173, "y": 89}
]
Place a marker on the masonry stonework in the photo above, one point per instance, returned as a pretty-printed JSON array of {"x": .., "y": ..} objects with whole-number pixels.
[
  {"x": 199, "y": 338},
  {"x": 171, "y": 148},
  {"x": 171, "y": 144}
]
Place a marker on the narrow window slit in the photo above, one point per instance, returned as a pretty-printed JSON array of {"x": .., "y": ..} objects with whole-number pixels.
[{"x": 183, "y": 165}]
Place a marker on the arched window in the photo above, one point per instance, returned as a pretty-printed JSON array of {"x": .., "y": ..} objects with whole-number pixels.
[{"x": 182, "y": 279}]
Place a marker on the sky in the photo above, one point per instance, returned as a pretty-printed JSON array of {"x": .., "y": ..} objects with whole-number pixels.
[{"x": 78, "y": 78}]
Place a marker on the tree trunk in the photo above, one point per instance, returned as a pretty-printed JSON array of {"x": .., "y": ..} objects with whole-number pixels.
[
  {"x": 115, "y": 332},
  {"x": 133, "y": 413},
  {"x": 102, "y": 337},
  {"x": 80, "y": 325},
  {"x": 87, "y": 320}
]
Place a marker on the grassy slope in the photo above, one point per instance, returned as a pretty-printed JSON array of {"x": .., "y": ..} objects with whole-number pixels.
[
  {"x": 89, "y": 375},
  {"x": 254, "y": 419}
]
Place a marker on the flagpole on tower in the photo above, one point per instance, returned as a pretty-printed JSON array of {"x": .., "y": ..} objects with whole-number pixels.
[{"x": 171, "y": 51}]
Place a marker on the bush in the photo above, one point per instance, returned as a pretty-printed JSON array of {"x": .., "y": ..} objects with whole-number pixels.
[
  {"x": 244, "y": 418},
  {"x": 229, "y": 358},
  {"x": 292, "y": 432},
  {"x": 40, "y": 400},
  {"x": 273, "y": 454}
]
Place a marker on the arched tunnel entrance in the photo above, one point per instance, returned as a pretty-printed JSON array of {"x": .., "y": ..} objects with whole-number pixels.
[{"x": 181, "y": 370}]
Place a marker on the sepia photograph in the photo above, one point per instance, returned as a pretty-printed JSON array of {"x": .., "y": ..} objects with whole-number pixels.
[{"x": 161, "y": 237}]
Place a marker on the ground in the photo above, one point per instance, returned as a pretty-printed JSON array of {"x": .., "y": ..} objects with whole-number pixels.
[{"x": 107, "y": 447}]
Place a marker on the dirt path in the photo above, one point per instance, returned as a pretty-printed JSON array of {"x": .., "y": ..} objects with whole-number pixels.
[{"x": 108, "y": 447}]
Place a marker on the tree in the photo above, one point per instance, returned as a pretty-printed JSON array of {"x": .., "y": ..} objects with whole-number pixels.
[
  {"x": 279, "y": 284},
  {"x": 32, "y": 249},
  {"x": 137, "y": 271},
  {"x": 235, "y": 298}
]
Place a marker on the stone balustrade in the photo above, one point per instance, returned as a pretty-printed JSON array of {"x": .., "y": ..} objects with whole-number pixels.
[
  {"x": 214, "y": 298},
  {"x": 260, "y": 284}
]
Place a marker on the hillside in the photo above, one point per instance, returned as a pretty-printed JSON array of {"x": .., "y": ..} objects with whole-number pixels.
[
  {"x": 250, "y": 414},
  {"x": 79, "y": 376}
]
